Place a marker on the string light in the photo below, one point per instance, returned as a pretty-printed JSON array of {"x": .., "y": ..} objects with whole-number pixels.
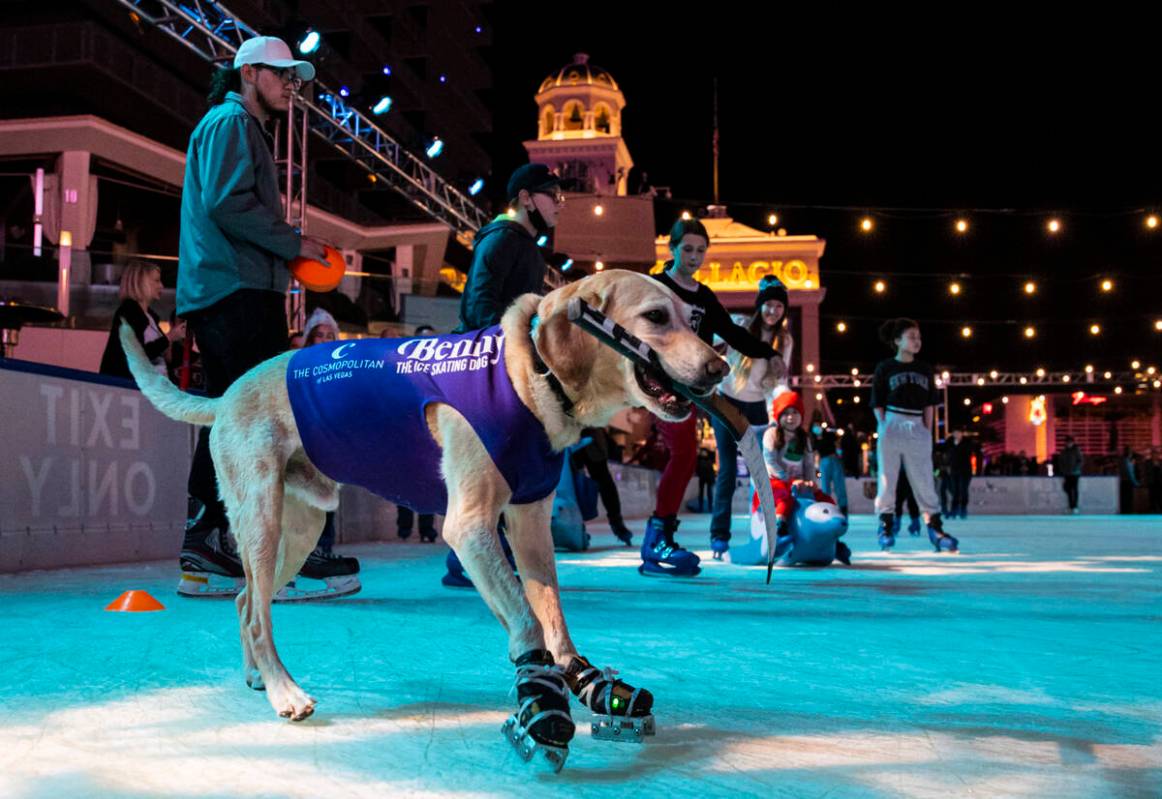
[
  {"x": 810, "y": 368},
  {"x": 954, "y": 289},
  {"x": 1108, "y": 375},
  {"x": 855, "y": 399},
  {"x": 1054, "y": 226},
  {"x": 819, "y": 396},
  {"x": 1089, "y": 368},
  {"x": 1005, "y": 400},
  {"x": 961, "y": 225},
  {"x": 1135, "y": 364},
  {"x": 980, "y": 381},
  {"x": 1107, "y": 285},
  {"x": 686, "y": 217},
  {"x": 1151, "y": 370},
  {"x": 1040, "y": 372},
  {"x": 1024, "y": 380},
  {"x": 945, "y": 375},
  {"x": 1030, "y": 331},
  {"x": 854, "y": 371},
  {"x": 880, "y": 287},
  {"x": 599, "y": 266},
  {"x": 967, "y": 402},
  {"x": 1152, "y": 221},
  {"x": 598, "y": 210},
  {"x": 773, "y": 220},
  {"x": 1095, "y": 330},
  {"x": 866, "y": 224},
  {"x": 818, "y": 378},
  {"x": 966, "y": 332},
  {"x": 1065, "y": 378},
  {"x": 1117, "y": 389},
  {"x": 841, "y": 327},
  {"x": 1158, "y": 325},
  {"x": 993, "y": 374},
  {"x": 1030, "y": 287}
]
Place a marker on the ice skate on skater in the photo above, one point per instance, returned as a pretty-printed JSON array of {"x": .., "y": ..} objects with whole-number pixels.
[
  {"x": 662, "y": 555},
  {"x": 209, "y": 561},
  {"x": 541, "y": 727},
  {"x": 941, "y": 540},
  {"x": 621, "y": 712},
  {"x": 886, "y": 537}
]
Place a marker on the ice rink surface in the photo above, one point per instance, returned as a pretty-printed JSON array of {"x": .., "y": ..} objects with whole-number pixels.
[{"x": 1030, "y": 666}]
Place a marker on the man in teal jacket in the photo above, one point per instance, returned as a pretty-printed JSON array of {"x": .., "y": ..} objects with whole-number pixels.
[{"x": 232, "y": 271}]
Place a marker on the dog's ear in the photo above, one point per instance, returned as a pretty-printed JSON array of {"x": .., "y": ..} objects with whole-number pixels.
[{"x": 567, "y": 349}]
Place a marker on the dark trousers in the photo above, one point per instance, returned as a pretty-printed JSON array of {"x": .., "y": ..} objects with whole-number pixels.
[
  {"x": 233, "y": 335},
  {"x": 1071, "y": 492},
  {"x": 598, "y": 469},
  {"x": 1126, "y": 497},
  {"x": 945, "y": 492},
  {"x": 405, "y": 519},
  {"x": 960, "y": 483},
  {"x": 724, "y": 485}
]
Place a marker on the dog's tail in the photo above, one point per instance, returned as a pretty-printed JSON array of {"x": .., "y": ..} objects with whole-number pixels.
[{"x": 157, "y": 388}]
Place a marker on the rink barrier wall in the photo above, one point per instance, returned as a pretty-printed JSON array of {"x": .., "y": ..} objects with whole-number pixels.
[{"x": 91, "y": 474}]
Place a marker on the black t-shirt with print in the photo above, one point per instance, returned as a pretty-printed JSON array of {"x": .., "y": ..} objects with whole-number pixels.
[
  {"x": 909, "y": 387},
  {"x": 708, "y": 318}
]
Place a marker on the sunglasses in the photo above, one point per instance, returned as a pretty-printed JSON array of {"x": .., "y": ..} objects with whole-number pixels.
[{"x": 285, "y": 74}]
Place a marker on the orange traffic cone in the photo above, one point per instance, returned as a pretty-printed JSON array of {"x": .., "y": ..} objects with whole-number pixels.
[{"x": 135, "y": 602}]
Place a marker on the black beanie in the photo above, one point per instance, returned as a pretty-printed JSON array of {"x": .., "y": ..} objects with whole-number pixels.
[{"x": 771, "y": 288}]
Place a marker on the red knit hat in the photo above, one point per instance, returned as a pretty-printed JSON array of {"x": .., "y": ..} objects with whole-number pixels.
[{"x": 788, "y": 399}]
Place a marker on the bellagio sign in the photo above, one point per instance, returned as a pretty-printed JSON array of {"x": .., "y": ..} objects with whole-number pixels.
[{"x": 723, "y": 276}]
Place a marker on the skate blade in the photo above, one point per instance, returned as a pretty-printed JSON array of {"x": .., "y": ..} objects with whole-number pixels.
[
  {"x": 626, "y": 730},
  {"x": 530, "y": 750},
  {"x": 644, "y": 572},
  {"x": 304, "y": 589},
  {"x": 210, "y": 586}
]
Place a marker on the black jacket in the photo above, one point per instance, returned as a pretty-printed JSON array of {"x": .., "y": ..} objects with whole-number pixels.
[
  {"x": 506, "y": 263},
  {"x": 113, "y": 361}
]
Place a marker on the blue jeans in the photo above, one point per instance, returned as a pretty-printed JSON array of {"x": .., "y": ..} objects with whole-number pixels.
[
  {"x": 724, "y": 485},
  {"x": 832, "y": 480}
]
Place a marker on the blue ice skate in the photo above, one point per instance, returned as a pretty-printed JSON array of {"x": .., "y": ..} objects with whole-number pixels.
[
  {"x": 661, "y": 555},
  {"x": 941, "y": 540},
  {"x": 914, "y": 526},
  {"x": 719, "y": 546},
  {"x": 887, "y": 536}
]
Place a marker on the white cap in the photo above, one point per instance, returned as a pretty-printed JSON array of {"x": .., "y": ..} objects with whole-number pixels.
[{"x": 273, "y": 52}]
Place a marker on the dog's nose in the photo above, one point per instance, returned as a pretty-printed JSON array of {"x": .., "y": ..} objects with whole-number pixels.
[{"x": 717, "y": 369}]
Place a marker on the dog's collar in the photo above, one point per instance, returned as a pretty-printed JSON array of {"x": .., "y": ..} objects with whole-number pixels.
[{"x": 541, "y": 368}]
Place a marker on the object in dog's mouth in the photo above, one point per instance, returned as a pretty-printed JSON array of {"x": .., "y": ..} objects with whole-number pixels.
[{"x": 657, "y": 386}]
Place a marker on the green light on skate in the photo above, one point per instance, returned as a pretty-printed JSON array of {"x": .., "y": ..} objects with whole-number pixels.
[{"x": 616, "y": 702}]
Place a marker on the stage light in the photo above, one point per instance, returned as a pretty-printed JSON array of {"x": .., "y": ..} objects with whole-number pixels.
[
  {"x": 866, "y": 224},
  {"x": 310, "y": 42},
  {"x": 476, "y": 187},
  {"x": 435, "y": 148},
  {"x": 966, "y": 332},
  {"x": 954, "y": 289},
  {"x": 382, "y": 107}
]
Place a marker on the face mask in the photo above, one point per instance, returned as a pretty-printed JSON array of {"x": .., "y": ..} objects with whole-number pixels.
[{"x": 537, "y": 218}]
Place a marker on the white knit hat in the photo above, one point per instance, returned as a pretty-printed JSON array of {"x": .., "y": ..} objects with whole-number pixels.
[{"x": 318, "y": 317}]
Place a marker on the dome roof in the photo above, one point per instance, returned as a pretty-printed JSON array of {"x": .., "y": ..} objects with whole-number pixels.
[{"x": 579, "y": 73}]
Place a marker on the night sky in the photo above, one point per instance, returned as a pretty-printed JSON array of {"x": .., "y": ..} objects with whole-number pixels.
[{"x": 1043, "y": 115}]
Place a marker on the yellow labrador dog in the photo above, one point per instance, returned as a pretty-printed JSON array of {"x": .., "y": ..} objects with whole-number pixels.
[{"x": 276, "y": 498}]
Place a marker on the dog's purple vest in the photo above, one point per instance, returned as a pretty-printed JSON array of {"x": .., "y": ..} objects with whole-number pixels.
[{"x": 359, "y": 407}]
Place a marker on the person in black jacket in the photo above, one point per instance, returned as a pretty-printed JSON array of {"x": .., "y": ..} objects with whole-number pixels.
[
  {"x": 688, "y": 244},
  {"x": 140, "y": 286},
  {"x": 506, "y": 261}
]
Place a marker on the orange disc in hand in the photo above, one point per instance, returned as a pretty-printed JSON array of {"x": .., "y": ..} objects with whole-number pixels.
[{"x": 320, "y": 275}]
